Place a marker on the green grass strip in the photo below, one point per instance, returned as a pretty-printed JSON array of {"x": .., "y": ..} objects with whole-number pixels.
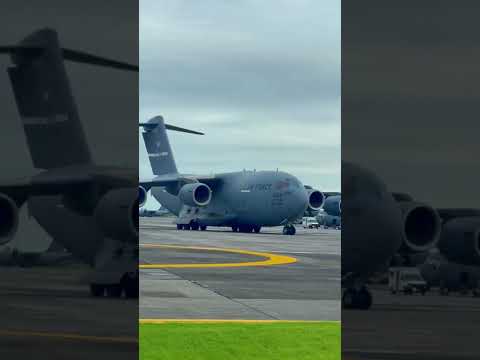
[{"x": 234, "y": 341}]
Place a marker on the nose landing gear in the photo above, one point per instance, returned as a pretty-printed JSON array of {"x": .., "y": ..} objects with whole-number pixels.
[
  {"x": 289, "y": 229},
  {"x": 360, "y": 299}
]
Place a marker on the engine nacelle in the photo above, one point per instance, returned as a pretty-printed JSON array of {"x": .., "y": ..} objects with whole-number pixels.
[
  {"x": 315, "y": 199},
  {"x": 421, "y": 227},
  {"x": 117, "y": 214},
  {"x": 332, "y": 205},
  {"x": 195, "y": 194},
  {"x": 142, "y": 196},
  {"x": 8, "y": 218},
  {"x": 460, "y": 240}
]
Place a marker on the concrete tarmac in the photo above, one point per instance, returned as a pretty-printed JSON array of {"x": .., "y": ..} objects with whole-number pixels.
[
  {"x": 308, "y": 289},
  {"x": 47, "y": 313},
  {"x": 412, "y": 327}
]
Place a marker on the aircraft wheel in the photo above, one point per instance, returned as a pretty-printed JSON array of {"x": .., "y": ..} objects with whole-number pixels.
[
  {"x": 235, "y": 228},
  {"x": 360, "y": 300},
  {"x": 97, "y": 290},
  {"x": 257, "y": 229},
  {"x": 348, "y": 299},
  {"x": 289, "y": 230},
  {"x": 245, "y": 229},
  {"x": 179, "y": 227},
  {"x": 203, "y": 227},
  {"x": 114, "y": 291},
  {"x": 194, "y": 225},
  {"x": 364, "y": 299},
  {"x": 131, "y": 286}
]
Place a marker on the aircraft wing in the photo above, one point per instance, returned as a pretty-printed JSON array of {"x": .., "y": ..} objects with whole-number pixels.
[
  {"x": 331, "y": 193},
  {"x": 445, "y": 214},
  {"x": 21, "y": 189},
  {"x": 211, "y": 180},
  {"x": 451, "y": 213},
  {"x": 60, "y": 182},
  {"x": 164, "y": 180}
]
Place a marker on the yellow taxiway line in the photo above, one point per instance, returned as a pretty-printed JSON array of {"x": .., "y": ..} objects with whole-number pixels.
[
  {"x": 229, "y": 321},
  {"x": 270, "y": 259}
]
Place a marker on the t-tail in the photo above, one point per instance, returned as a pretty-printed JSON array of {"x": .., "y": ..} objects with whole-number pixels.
[
  {"x": 158, "y": 147},
  {"x": 44, "y": 98}
]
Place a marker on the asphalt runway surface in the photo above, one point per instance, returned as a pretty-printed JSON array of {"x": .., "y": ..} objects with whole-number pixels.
[
  {"x": 307, "y": 289},
  {"x": 47, "y": 313},
  {"x": 413, "y": 327}
]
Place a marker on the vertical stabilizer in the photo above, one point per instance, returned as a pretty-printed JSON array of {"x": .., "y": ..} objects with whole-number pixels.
[
  {"x": 158, "y": 147},
  {"x": 46, "y": 104}
]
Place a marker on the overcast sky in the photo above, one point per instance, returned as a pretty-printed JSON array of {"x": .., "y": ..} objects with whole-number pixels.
[
  {"x": 260, "y": 78},
  {"x": 410, "y": 97}
]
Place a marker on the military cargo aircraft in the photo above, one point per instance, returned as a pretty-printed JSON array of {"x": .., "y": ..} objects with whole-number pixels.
[
  {"x": 244, "y": 200},
  {"x": 92, "y": 211}
]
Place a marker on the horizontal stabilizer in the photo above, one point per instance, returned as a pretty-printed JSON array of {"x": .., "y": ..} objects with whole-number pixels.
[
  {"x": 21, "y": 54},
  {"x": 152, "y": 126}
]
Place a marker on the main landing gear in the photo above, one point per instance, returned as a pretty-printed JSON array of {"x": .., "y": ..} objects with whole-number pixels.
[
  {"x": 289, "y": 229},
  {"x": 359, "y": 299},
  {"x": 128, "y": 286},
  {"x": 193, "y": 225},
  {"x": 246, "y": 228}
]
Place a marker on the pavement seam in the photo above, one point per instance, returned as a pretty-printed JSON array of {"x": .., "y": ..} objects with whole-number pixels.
[{"x": 235, "y": 301}]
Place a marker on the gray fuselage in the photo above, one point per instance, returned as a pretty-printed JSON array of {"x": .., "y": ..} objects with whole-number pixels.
[{"x": 256, "y": 198}]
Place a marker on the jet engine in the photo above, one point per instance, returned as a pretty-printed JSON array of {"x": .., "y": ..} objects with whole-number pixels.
[
  {"x": 195, "y": 194},
  {"x": 8, "y": 219},
  {"x": 315, "y": 199},
  {"x": 332, "y": 205},
  {"x": 142, "y": 196},
  {"x": 460, "y": 240},
  {"x": 117, "y": 214},
  {"x": 421, "y": 227}
]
